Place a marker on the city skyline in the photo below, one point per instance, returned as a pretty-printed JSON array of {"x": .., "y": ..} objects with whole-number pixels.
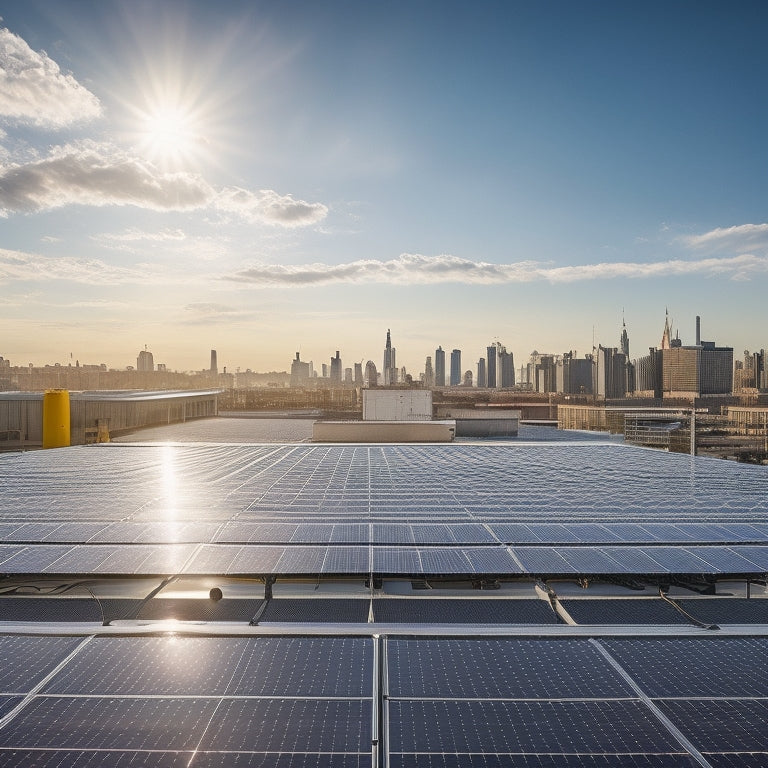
[{"x": 260, "y": 180}]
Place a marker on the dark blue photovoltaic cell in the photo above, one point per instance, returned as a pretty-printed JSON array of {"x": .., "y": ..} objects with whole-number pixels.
[
  {"x": 462, "y": 611},
  {"x": 347, "y": 560},
  {"x": 544, "y": 761},
  {"x": 57, "y": 758},
  {"x": 274, "y": 760},
  {"x": 259, "y": 666},
  {"x": 283, "y": 725},
  {"x": 25, "y": 661},
  {"x": 591, "y": 560},
  {"x": 696, "y": 666},
  {"x": 75, "y": 723},
  {"x": 491, "y": 560},
  {"x": 316, "y": 610},
  {"x": 542, "y": 560},
  {"x": 630, "y": 610},
  {"x": 396, "y": 560},
  {"x": 722, "y": 726},
  {"x": 738, "y": 759},
  {"x": 440, "y": 560},
  {"x": 484, "y": 726},
  {"x": 7, "y": 703},
  {"x": 727, "y": 610},
  {"x": 723, "y": 559},
  {"x": 501, "y": 668}
]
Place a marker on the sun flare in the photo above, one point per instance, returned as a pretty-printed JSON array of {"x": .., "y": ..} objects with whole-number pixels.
[{"x": 170, "y": 135}]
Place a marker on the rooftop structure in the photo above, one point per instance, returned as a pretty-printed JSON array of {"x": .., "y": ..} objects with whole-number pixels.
[{"x": 519, "y": 604}]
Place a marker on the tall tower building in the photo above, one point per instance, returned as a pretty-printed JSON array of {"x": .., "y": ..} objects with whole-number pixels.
[
  {"x": 214, "y": 364},
  {"x": 624, "y": 342},
  {"x": 666, "y": 337},
  {"x": 439, "y": 367},
  {"x": 429, "y": 373},
  {"x": 144, "y": 362},
  {"x": 455, "y": 368},
  {"x": 482, "y": 378},
  {"x": 490, "y": 370},
  {"x": 390, "y": 363},
  {"x": 336, "y": 370}
]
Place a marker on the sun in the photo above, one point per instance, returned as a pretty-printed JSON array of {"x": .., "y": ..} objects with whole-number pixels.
[{"x": 169, "y": 134}]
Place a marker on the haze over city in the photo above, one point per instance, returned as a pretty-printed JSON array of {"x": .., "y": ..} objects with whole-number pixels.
[{"x": 263, "y": 178}]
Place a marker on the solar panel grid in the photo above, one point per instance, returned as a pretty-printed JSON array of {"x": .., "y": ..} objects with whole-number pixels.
[
  {"x": 540, "y": 727},
  {"x": 724, "y": 725},
  {"x": 624, "y": 760},
  {"x": 672, "y": 667},
  {"x": 500, "y": 668},
  {"x": 218, "y": 666},
  {"x": 631, "y": 610},
  {"x": 727, "y": 610}
]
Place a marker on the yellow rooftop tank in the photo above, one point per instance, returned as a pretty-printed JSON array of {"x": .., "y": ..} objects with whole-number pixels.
[{"x": 56, "y": 425}]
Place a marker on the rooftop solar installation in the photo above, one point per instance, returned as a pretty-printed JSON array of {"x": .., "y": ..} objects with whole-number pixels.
[{"x": 400, "y": 509}]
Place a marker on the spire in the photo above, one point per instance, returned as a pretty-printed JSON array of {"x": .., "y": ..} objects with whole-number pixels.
[{"x": 666, "y": 338}]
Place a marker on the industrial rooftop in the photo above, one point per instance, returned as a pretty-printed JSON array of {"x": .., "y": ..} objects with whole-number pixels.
[{"x": 520, "y": 603}]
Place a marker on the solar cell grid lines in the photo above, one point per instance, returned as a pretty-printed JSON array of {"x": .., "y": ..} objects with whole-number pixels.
[
  {"x": 624, "y": 760},
  {"x": 672, "y": 667},
  {"x": 265, "y": 666},
  {"x": 501, "y": 669},
  {"x": 25, "y": 661},
  {"x": 540, "y": 727}
]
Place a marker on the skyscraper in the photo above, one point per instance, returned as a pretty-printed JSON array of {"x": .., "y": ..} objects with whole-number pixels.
[
  {"x": 336, "y": 370},
  {"x": 145, "y": 361},
  {"x": 491, "y": 367},
  {"x": 624, "y": 343},
  {"x": 429, "y": 374},
  {"x": 214, "y": 364},
  {"x": 390, "y": 364},
  {"x": 482, "y": 378},
  {"x": 439, "y": 367},
  {"x": 456, "y": 368}
]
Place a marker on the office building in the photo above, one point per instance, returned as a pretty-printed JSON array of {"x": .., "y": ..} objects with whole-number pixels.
[
  {"x": 336, "y": 369},
  {"x": 439, "y": 367},
  {"x": 299, "y": 372},
  {"x": 482, "y": 377},
  {"x": 371, "y": 376},
  {"x": 455, "y": 367},
  {"x": 359, "y": 374},
  {"x": 429, "y": 373},
  {"x": 145, "y": 361},
  {"x": 390, "y": 362},
  {"x": 214, "y": 369},
  {"x": 490, "y": 370},
  {"x": 574, "y": 375}
]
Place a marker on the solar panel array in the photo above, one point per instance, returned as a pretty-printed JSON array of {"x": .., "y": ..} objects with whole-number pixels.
[
  {"x": 465, "y": 509},
  {"x": 225, "y": 700},
  {"x": 576, "y": 702}
]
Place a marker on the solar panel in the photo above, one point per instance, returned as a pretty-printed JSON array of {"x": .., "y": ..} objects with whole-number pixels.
[
  {"x": 58, "y": 758},
  {"x": 629, "y": 610},
  {"x": 725, "y": 725},
  {"x": 24, "y": 661},
  {"x": 462, "y": 611},
  {"x": 316, "y": 610},
  {"x": 727, "y": 610},
  {"x": 735, "y": 666},
  {"x": 218, "y": 666},
  {"x": 500, "y": 668},
  {"x": 109, "y": 723},
  {"x": 285, "y": 725},
  {"x": 474, "y": 760},
  {"x": 539, "y": 726}
]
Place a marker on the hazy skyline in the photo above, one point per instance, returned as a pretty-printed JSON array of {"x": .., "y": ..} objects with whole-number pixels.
[{"x": 263, "y": 178}]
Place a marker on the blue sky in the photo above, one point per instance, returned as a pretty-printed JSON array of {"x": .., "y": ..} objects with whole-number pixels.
[{"x": 262, "y": 178}]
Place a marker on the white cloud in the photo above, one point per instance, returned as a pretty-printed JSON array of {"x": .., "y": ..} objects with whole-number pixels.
[
  {"x": 33, "y": 90},
  {"x": 734, "y": 238},
  {"x": 206, "y": 313},
  {"x": 98, "y": 175},
  {"x": 413, "y": 269},
  {"x": 137, "y": 235},
  {"x": 95, "y": 174},
  {"x": 16, "y": 265},
  {"x": 270, "y": 207}
]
